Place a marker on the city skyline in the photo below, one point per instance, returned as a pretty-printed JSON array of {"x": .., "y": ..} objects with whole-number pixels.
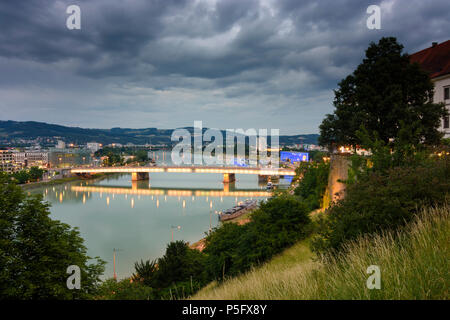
[{"x": 165, "y": 64}]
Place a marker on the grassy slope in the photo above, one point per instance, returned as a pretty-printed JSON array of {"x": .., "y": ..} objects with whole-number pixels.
[{"x": 414, "y": 264}]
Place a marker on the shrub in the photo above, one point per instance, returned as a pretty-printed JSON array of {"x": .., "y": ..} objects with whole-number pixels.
[
  {"x": 314, "y": 180},
  {"x": 277, "y": 224},
  {"x": 383, "y": 200},
  {"x": 125, "y": 289},
  {"x": 222, "y": 249}
]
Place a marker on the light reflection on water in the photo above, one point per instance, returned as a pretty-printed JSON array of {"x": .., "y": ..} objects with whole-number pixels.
[{"x": 137, "y": 217}]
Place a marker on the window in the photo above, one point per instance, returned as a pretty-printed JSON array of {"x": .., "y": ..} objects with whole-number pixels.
[
  {"x": 446, "y": 122},
  {"x": 446, "y": 93}
]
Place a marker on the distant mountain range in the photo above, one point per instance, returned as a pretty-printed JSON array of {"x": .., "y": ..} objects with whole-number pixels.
[{"x": 14, "y": 130}]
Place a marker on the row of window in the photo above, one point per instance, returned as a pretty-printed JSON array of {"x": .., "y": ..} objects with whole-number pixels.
[{"x": 446, "y": 97}]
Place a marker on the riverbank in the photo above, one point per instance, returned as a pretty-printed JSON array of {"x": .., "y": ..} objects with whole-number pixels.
[
  {"x": 32, "y": 185},
  {"x": 239, "y": 210},
  {"x": 240, "y": 220}
]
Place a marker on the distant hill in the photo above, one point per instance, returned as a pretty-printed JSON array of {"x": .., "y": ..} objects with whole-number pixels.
[{"x": 11, "y": 130}]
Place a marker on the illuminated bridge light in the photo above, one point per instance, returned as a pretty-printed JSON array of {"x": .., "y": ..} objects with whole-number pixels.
[
  {"x": 179, "y": 170},
  {"x": 125, "y": 191},
  {"x": 232, "y": 193},
  {"x": 223, "y": 170},
  {"x": 179, "y": 193},
  {"x": 171, "y": 193}
]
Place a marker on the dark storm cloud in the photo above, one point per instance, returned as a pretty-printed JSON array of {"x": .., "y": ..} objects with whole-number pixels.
[{"x": 166, "y": 63}]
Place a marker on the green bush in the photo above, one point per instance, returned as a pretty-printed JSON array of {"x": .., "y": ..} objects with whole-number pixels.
[
  {"x": 314, "y": 180},
  {"x": 383, "y": 200},
  {"x": 125, "y": 289},
  {"x": 21, "y": 176},
  {"x": 277, "y": 224},
  {"x": 222, "y": 249}
]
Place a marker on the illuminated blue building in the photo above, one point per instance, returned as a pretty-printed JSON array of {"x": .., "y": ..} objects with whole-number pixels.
[{"x": 286, "y": 156}]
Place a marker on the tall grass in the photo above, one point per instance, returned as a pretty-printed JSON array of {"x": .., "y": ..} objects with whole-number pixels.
[{"x": 414, "y": 264}]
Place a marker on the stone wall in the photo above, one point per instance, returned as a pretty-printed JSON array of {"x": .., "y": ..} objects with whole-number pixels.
[{"x": 339, "y": 165}]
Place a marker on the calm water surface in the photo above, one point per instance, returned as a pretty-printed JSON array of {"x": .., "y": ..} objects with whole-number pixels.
[{"x": 137, "y": 218}]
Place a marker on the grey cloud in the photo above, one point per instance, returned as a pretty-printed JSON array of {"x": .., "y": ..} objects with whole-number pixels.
[{"x": 194, "y": 58}]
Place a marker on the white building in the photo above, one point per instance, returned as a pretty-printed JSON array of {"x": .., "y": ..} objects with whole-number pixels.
[
  {"x": 93, "y": 146},
  {"x": 31, "y": 158},
  {"x": 436, "y": 61},
  {"x": 61, "y": 144}
]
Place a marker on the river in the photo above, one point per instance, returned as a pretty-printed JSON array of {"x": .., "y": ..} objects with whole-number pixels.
[{"x": 139, "y": 219}]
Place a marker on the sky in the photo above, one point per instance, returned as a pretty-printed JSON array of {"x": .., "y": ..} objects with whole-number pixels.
[{"x": 166, "y": 63}]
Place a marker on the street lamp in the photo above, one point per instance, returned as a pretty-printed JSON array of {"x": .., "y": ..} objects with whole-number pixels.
[
  {"x": 114, "y": 261},
  {"x": 174, "y": 228}
]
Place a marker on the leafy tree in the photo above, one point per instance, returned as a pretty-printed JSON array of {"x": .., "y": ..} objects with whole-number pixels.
[
  {"x": 384, "y": 156},
  {"x": 384, "y": 91},
  {"x": 145, "y": 271},
  {"x": 178, "y": 264},
  {"x": 113, "y": 159},
  {"x": 141, "y": 156},
  {"x": 35, "y": 250},
  {"x": 21, "y": 176},
  {"x": 35, "y": 173}
]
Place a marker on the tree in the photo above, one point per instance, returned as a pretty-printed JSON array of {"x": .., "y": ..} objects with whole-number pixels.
[
  {"x": 21, "y": 176},
  {"x": 145, "y": 271},
  {"x": 113, "y": 159},
  {"x": 35, "y": 250},
  {"x": 35, "y": 173},
  {"x": 178, "y": 264},
  {"x": 384, "y": 91},
  {"x": 141, "y": 156}
]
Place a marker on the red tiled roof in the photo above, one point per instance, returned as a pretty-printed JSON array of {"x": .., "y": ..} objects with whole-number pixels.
[{"x": 435, "y": 60}]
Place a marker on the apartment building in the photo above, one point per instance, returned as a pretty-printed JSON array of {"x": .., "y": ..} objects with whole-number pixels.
[
  {"x": 6, "y": 161},
  {"x": 436, "y": 61}
]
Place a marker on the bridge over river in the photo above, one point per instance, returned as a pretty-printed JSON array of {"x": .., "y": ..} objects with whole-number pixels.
[{"x": 142, "y": 173}]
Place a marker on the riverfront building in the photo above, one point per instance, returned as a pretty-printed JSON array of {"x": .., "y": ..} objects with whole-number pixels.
[
  {"x": 31, "y": 159},
  {"x": 6, "y": 161},
  {"x": 436, "y": 61},
  {"x": 66, "y": 158}
]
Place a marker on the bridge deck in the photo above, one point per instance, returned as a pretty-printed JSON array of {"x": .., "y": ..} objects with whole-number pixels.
[{"x": 186, "y": 169}]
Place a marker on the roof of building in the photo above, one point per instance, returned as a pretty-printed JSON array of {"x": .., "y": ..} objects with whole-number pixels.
[{"x": 435, "y": 59}]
